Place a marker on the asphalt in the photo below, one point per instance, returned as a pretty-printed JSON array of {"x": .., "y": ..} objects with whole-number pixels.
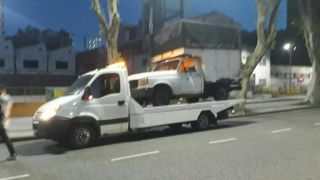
[
  {"x": 20, "y": 128},
  {"x": 275, "y": 146}
]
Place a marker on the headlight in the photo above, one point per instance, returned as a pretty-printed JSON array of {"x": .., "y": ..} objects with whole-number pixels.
[
  {"x": 143, "y": 82},
  {"x": 49, "y": 113}
]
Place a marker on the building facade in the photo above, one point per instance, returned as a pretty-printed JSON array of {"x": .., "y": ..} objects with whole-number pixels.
[
  {"x": 61, "y": 61},
  {"x": 6, "y": 57},
  {"x": 32, "y": 59},
  {"x": 261, "y": 74}
]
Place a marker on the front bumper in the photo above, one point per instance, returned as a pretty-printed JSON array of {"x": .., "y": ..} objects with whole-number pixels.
[{"x": 55, "y": 128}]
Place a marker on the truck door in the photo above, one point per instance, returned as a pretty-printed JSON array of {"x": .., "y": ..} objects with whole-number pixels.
[
  {"x": 109, "y": 103},
  {"x": 190, "y": 77}
]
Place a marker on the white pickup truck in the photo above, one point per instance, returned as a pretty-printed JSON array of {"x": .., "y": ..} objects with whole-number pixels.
[
  {"x": 100, "y": 103},
  {"x": 183, "y": 76}
]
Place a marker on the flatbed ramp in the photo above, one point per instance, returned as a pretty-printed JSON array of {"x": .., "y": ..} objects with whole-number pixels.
[{"x": 180, "y": 113}]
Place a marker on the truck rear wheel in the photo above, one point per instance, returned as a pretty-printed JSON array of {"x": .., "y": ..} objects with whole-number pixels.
[
  {"x": 203, "y": 122},
  {"x": 221, "y": 94},
  {"x": 81, "y": 136},
  {"x": 161, "y": 97}
]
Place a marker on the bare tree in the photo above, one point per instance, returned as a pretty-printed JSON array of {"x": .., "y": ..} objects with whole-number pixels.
[
  {"x": 110, "y": 29},
  {"x": 311, "y": 25},
  {"x": 266, "y": 33}
]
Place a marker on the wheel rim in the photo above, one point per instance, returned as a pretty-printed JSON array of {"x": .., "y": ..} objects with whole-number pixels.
[
  {"x": 82, "y": 136},
  {"x": 203, "y": 121}
]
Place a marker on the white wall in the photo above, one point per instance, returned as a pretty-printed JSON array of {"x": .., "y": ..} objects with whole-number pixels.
[
  {"x": 218, "y": 63},
  {"x": 65, "y": 55},
  {"x": 7, "y": 55},
  {"x": 38, "y": 53},
  {"x": 262, "y": 72},
  {"x": 300, "y": 75}
]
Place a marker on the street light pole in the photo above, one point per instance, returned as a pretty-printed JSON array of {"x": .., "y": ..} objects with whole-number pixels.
[{"x": 290, "y": 69}]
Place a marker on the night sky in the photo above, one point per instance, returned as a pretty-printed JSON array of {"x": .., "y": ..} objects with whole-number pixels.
[{"x": 77, "y": 17}]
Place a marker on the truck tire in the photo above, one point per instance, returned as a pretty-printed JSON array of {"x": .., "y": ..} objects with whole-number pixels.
[
  {"x": 202, "y": 123},
  {"x": 161, "y": 97},
  {"x": 81, "y": 136},
  {"x": 221, "y": 94},
  {"x": 176, "y": 126},
  {"x": 192, "y": 100}
]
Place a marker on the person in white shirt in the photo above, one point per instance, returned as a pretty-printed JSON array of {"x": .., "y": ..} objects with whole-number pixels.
[{"x": 5, "y": 110}]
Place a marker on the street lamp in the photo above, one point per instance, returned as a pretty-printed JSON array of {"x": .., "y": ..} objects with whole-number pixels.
[{"x": 289, "y": 47}]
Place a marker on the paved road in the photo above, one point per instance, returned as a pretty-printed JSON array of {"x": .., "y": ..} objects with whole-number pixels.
[{"x": 274, "y": 146}]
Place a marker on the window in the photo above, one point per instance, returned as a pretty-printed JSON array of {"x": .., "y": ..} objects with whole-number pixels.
[
  {"x": 2, "y": 63},
  {"x": 188, "y": 66},
  {"x": 61, "y": 65},
  {"x": 144, "y": 62},
  {"x": 263, "y": 61},
  {"x": 30, "y": 64},
  {"x": 262, "y": 82},
  {"x": 105, "y": 85}
]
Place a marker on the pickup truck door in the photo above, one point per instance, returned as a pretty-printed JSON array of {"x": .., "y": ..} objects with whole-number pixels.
[
  {"x": 109, "y": 103},
  {"x": 190, "y": 78}
]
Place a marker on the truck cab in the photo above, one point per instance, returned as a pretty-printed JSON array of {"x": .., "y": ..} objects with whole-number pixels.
[
  {"x": 180, "y": 76},
  {"x": 95, "y": 104}
]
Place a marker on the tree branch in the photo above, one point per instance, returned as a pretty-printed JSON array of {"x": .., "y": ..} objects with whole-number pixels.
[
  {"x": 101, "y": 17},
  {"x": 262, "y": 12},
  {"x": 273, "y": 22}
]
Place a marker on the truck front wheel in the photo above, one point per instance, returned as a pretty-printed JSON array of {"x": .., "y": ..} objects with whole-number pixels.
[
  {"x": 81, "y": 136},
  {"x": 161, "y": 97}
]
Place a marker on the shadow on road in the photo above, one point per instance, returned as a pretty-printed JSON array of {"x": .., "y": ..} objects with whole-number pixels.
[
  {"x": 41, "y": 147},
  {"x": 163, "y": 132}
]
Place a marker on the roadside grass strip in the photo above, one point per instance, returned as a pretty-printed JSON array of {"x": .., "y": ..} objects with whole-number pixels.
[
  {"x": 134, "y": 156},
  {"x": 15, "y": 177},
  {"x": 280, "y": 130},
  {"x": 222, "y": 141}
]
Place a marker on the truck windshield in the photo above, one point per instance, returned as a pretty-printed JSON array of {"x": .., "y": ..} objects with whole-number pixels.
[
  {"x": 166, "y": 65},
  {"x": 78, "y": 85}
]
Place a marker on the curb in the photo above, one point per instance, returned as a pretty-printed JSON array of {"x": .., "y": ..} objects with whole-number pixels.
[
  {"x": 273, "y": 100},
  {"x": 275, "y": 111}
]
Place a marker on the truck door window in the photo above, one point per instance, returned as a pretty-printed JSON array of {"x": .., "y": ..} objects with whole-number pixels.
[
  {"x": 188, "y": 65},
  {"x": 105, "y": 85}
]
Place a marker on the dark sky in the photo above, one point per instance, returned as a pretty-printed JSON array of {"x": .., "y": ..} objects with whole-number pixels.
[{"x": 77, "y": 17}]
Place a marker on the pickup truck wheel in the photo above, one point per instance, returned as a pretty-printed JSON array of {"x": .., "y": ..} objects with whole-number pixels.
[
  {"x": 202, "y": 123},
  {"x": 81, "y": 136},
  {"x": 175, "y": 126},
  {"x": 221, "y": 94},
  {"x": 161, "y": 97},
  {"x": 192, "y": 100}
]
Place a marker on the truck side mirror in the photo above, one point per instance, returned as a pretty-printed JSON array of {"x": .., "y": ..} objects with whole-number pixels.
[{"x": 87, "y": 95}]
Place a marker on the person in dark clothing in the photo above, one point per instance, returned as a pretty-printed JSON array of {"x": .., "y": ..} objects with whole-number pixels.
[{"x": 5, "y": 110}]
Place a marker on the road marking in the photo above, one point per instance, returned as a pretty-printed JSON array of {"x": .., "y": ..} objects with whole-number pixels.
[
  {"x": 134, "y": 156},
  {"x": 222, "y": 141},
  {"x": 317, "y": 124},
  {"x": 280, "y": 130},
  {"x": 16, "y": 177}
]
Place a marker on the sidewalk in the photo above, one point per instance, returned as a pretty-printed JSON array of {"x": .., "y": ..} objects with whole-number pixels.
[{"x": 21, "y": 128}]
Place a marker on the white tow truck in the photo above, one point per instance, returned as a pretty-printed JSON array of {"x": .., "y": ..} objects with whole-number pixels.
[{"x": 99, "y": 103}]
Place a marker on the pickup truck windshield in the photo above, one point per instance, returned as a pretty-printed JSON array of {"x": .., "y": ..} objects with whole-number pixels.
[
  {"x": 78, "y": 85},
  {"x": 166, "y": 65}
]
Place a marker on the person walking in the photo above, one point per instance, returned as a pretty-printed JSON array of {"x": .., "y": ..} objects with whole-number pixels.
[{"x": 5, "y": 110}]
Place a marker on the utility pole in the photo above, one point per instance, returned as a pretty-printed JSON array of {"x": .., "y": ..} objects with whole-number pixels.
[{"x": 1, "y": 19}]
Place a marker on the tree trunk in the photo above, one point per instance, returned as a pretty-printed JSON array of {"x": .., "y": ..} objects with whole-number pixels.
[
  {"x": 112, "y": 50},
  {"x": 313, "y": 95}
]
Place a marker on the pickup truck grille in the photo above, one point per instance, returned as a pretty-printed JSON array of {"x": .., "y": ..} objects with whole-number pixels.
[{"x": 133, "y": 84}]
